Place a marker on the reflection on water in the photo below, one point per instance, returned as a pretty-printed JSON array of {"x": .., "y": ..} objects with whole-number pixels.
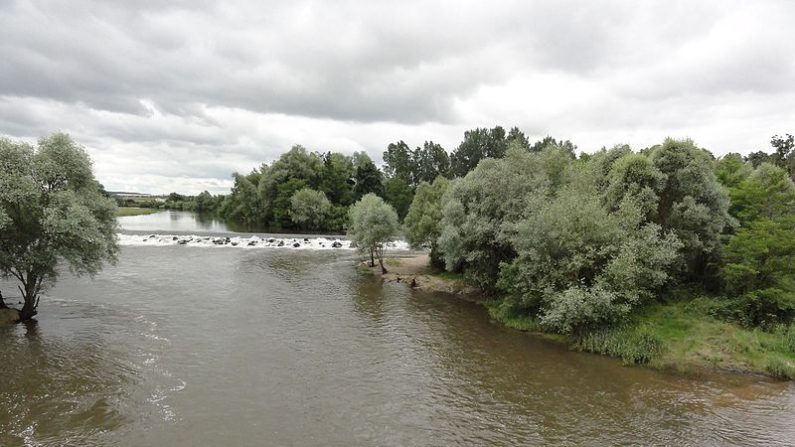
[
  {"x": 184, "y": 346},
  {"x": 174, "y": 221}
]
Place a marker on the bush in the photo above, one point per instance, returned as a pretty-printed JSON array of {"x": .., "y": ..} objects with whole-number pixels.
[{"x": 765, "y": 308}]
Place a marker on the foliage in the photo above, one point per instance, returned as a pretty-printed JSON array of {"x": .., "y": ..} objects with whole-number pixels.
[
  {"x": 479, "y": 144},
  {"x": 731, "y": 170},
  {"x": 479, "y": 210},
  {"x": 243, "y": 205},
  {"x": 760, "y": 272},
  {"x": 549, "y": 142},
  {"x": 692, "y": 204},
  {"x": 372, "y": 223},
  {"x": 424, "y": 215},
  {"x": 766, "y": 193},
  {"x": 368, "y": 179},
  {"x": 398, "y": 194},
  {"x": 309, "y": 208},
  {"x": 51, "y": 210},
  {"x": 580, "y": 265}
]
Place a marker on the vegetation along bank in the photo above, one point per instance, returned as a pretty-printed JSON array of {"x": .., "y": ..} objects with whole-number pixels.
[{"x": 665, "y": 256}]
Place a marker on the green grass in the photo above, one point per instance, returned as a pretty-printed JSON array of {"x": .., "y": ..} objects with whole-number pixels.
[
  {"x": 134, "y": 211},
  {"x": 684, "y": 336},
  {"x": 681, "y": 336}
]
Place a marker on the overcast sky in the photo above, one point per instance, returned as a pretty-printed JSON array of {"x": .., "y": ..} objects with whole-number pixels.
[{"x": 175, "y": 96}]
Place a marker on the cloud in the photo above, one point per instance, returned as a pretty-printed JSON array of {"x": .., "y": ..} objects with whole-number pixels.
[{"x": 195, "y": 90}]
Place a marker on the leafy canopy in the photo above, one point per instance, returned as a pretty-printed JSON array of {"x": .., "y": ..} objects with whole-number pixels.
[{"x": 51, "y": 210}]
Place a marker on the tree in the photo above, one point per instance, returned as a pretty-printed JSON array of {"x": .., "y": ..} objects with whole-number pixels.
[
  {"x": 398, "y": 194},
  {"x": 424, "y": 216},
  {"x": 478, "y": 145},
  {"x": 309, "y": 208},
  {"x": 692, "y": 204},
  {"x": 243, "y": 204},
  {"x": 367, "y": 177},
  {"x": 518, "y": 137},
  {"x": 581, "y": 265},
  {"x": 295, "y": 169},
  {"x": 337, "y": 179},
  {"x": 373, "y": 223},
  {"x": 431, "y": 161},
  {"x": 759, "y": 157},
  {"x": 51, "y": 210},
  {"x": 399, "y": 162},
  {"x": 731, "y": 170},
  {"x": 205, "y": 203},
  {"x": 479, "y": 211},
  {"x": 767, "y": 192},
  {"x": 760, "y": 271},
  {"x": 785, "y": 153},
  {"x": 548, "y": 141}
]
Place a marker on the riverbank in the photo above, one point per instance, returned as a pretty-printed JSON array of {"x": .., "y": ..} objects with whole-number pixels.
[
  {"x": 127, "y": 211},
  {"x": 681, "y": 336}
]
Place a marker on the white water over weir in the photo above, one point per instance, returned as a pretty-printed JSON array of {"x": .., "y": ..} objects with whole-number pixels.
[{"x": 247, "y": 242}]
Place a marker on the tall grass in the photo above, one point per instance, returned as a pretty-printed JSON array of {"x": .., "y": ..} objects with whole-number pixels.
[{"x": 633, "y": 345}]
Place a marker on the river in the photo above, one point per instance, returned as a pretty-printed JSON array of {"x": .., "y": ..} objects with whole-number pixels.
[{"x": 221, "y": 345}]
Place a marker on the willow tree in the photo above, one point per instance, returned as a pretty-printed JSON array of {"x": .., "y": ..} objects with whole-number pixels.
[
  {"x": 373, "y": 223},
  {"x": 52, "y": 211}
]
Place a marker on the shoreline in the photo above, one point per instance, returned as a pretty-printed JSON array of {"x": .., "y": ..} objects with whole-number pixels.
[{"x": 680, "y": 336}]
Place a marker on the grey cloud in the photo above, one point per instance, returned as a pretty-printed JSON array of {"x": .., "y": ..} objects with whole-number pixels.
[{"x": 197, "y": 89}]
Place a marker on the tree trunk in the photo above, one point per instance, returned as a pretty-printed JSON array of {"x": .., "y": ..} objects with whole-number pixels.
[
  {"x": 30, "y": 294},
  {"x": 381, "y": 262},
  {"x": 28, "y": 310},
  {"x": 2, "y": 302},
  {"x": 372, "y": 258}
]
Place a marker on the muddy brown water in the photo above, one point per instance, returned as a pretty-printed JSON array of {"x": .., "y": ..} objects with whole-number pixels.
[{"x": 187, "y": 346}]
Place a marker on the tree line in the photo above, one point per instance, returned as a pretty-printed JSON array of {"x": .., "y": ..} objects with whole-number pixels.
[
  {"x": 304, "y": 190},
  {"x": 575, "y": 243},
  {"x": 582, "y": 243}
]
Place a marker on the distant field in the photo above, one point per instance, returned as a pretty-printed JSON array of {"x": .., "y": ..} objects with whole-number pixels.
[{"x": 134, "y": 211}]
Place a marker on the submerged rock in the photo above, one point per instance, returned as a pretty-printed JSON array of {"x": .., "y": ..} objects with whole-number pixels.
[
  {"x": 336, "y": 244},
  {"x": 296, "y": 245},
  {"x": 281, "y": 243}
]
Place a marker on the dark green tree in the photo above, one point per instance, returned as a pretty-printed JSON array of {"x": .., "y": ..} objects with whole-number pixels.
[
  {"x": 399, "y": 162},
  {"x": 431, "y": 161},
  {"x": 398, "y": 194},
  {"x": 478, "y": 144},
  {"x": 368, "y": 178}
]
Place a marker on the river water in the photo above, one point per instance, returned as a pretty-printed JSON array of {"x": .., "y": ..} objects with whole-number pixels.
[{"x": 221, "y": 345}]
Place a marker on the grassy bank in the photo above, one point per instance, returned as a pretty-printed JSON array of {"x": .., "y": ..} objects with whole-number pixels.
[
  {"x": 134, "y": 211},
  {"x": 681, "y": 336}
]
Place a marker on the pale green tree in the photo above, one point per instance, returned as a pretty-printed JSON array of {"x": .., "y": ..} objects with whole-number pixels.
[
  {"x": 422, "y": 223},
  {"x": 309, "y": 208},
  {"x": 479, "y": 211},
  {"x": 372, "y": 224},
  {"x": 52, "y": 211}
]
